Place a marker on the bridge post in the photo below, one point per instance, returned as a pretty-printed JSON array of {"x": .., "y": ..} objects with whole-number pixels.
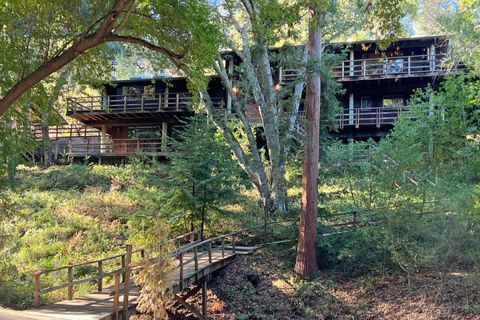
[
  {"x": 223, "y": 247},
  {"x": 70, "y": 280},
  {"x": 100, "y": 276},
  {"x": 128, "y": 261},
  {"x": 210, "y": 252},
  {"x": 204, "y": 296},
  {"x": 37, "y": 289},
  {"x": 116, "y": 295},
  {"x": 195, "y": 256},
  {"x": 181, "y": 270}
]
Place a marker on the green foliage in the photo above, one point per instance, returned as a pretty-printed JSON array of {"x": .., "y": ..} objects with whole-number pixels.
[
  {"x": 15, "y": 141},
  {"x": 201, "y": 175},
  {"x": 422, "y": 179}
]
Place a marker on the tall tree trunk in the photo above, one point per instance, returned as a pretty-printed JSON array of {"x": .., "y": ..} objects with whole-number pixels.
[{"x": 306, "y": 263}]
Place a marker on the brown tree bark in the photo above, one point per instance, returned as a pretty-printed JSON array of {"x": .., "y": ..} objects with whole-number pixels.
[{"x": 306, "y": 263}]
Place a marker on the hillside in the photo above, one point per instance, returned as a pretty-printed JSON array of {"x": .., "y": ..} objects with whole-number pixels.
[{"x": 75, "y": 213}]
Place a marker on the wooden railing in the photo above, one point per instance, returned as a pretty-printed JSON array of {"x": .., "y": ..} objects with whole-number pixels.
[
  {"x": 116, "y": 146},
  {"x": 163, "y": 102},
  {"x": 66, "y": 131},
  {"x": 121, "y": 264},
  {"x": 377, "y": 68},
  {"x": 362, "y": 117},
  {"x": 369, "y": 117}
]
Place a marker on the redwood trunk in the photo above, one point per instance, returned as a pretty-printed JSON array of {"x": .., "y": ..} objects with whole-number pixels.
[{"x": 306, "y": 264}]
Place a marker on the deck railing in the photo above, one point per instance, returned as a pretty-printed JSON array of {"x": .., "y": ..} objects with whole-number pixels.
[
  {"x": 162, "y": 102},
  {"x": 357, "y": 117},
  {"x": 66, "y": 131},
  {"x": 116, "y": 147},
  {"x": 369, "y": 117},
  {"x": 389, "y": 67}
]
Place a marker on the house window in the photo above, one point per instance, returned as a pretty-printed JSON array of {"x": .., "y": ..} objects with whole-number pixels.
[
  {"x": 392, "y": 102},
  {"x": 149, "y": 91},
  {"x": 131, "y": 91},
  {"x": 366, "y": 103},
  {"x": 144, "y": 132}
]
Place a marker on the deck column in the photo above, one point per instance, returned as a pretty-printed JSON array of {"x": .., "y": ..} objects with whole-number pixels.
[
  {"x": 432, "y": 57},
  {"x": 103, "y": 139},
  {"x": 164, "y": 137},
  {"x": 351, "y": 109},
  {"x": 352, "y": 64}
]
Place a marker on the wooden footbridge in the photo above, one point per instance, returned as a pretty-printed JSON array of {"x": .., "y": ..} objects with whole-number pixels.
[{"x": 194, "y": 262}]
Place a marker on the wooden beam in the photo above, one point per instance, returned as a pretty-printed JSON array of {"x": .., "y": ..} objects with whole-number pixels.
[{"x": 190, "y": 308}]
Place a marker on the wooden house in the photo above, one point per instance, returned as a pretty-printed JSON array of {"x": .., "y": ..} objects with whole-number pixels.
[{"x": 138, "y": 115}]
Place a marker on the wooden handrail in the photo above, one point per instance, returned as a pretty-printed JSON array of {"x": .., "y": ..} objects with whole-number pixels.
[
  {"x": 412, "y": 65},
  {"x": 160, "y": 102},
  {"x": 125, "y": 268}
]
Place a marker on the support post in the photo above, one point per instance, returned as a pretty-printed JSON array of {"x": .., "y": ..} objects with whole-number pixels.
[
  {"x": 223, "y": 247},
  {"x": 210, "y": 253},
  {"x": 166, "y": 98},
  {"x": 37, "y": 289},
  {"x": 100, "y": 276},
  {"x": 409, "y": 64},
  {"x": 123, "y": 267},
  {"x": 164, "y": 137},
  {"x": 181, "y": 271},
  {"x": 432, "y": 57},
  {"x": 204, "y": 297},
  {"x": 195, "y": 257},
  {"x": 352, "y": 64},
  {"x": 70, "y": 280},
  {"x": 103, "y": 139},
  {"x": 116, "y": 295},
  {"x": 126, "y": 288},
  {"x": 351, "y": 108}
]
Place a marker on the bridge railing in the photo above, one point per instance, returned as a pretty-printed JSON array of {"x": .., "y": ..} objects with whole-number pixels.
[{"x": 118, "y": 262}]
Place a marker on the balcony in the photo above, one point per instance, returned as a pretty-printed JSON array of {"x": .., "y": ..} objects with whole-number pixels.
[
  {"x": 372, "y": 117},
  {"x": 383, "y": 68},
  {"x": 163, "y": 102}
]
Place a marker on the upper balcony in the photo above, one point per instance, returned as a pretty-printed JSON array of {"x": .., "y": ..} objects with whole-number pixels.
[
  {"x": 384, "y": 68},
  {"x": 112, "y": 107}
]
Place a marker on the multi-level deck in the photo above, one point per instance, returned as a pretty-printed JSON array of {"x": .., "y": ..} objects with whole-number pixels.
[{"x": 139, "y": 115}]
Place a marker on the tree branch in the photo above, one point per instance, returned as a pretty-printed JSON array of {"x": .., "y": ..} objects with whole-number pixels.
[
  {"x": 174, "y": 57},
  {"x": 58, "y": 62}
]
